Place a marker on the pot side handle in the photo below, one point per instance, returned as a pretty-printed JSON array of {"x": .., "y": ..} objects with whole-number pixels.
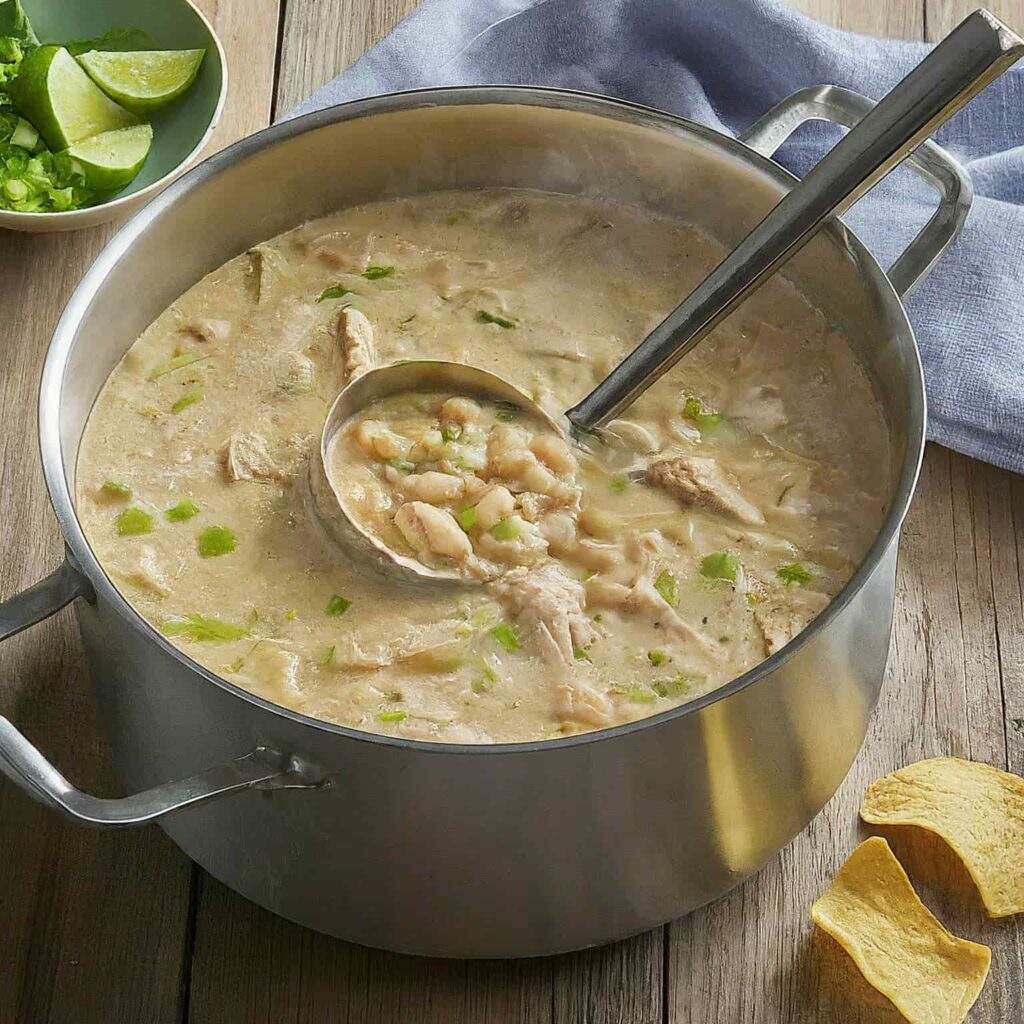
[
  {"x": 929, "y": 160},
  {"x": 24, "y": 765}
]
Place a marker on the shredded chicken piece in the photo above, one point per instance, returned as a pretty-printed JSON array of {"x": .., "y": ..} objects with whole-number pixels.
[
  {"x": 578, "y": 702},
  {"x": 785, "y": 614},
  {"x": 147, "y": 574},
  {"x": 699, "y": 481},
  {"x": 355, "y": 333},
  {"x": 432, "y": 531},
  {"x": 494, "y": 506},
  {"x": 245, "y": 457},
  {"x": 264, "y": 263},
  {"x": 340, "y": 250},
  {"x": 269, "y": 669},
  {"x": 207, "y": 329},
  {"x": 549, "y": 607},
  {"x": 431, "y": 487}
]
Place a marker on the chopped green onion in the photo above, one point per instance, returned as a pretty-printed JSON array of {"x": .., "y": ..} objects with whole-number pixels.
[
  {"x": 451, "y": 432},
  {"x": 794, "y": 573},
  {"x": 291, "y": 615},
  {"x": 672, "y": 688},
  {"x": 334, "y": 291},
  {"x": 402, "y": 465},
  {"x": 134, "y": 521},
  {"x": 199, "y": 627},
  {"x": 216, "y": 540},
  {"x": 618, "y": 483},
  {"x": 657, "y": 658},
  {"x": 703, "y": 420},
  {"x": 392, "y": 716},
  {"x": 112, "y": 489},
  {"x": 375, "y": 273},
  {"x": 665, "y": 585},
  {"x": 507, "y": 635},
  {"x": 190, "y": 398},
  {"x": 483, "y": 684},
  {"x": 184, "y": 510},
  {"x": 582, "y": 653},
  {"x": 177, "y": 362},
  {"x": 492, "y": 318},
  {"x": 337, "y": 605},
  {"x": 508, "y": 528},
  {"x": 636, "y": 694},
  {"x": 327, "y": 657},
  {"x": 720, "y": 565},
  {"x": 467, "y": 517}
]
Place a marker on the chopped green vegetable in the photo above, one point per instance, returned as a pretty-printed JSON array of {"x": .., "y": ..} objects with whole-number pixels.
[
  {"x": 291, "y": 615},
  {"x": 402, "y": 465},
  {"x": 582, "y": 653},
  {"x": 199, "y": 627},
  {"x": 375, "y": 273},
  {"x": 507, "y": 635},
  {"x": 190, "y": 398},
  {"x": 327, "y": 657},
  {"x": 467, "y": 517},
  {"x": 665, "y": 585},
  {"x": 452, "y": 218},
  {"x": 392, "y": 716},
  {"x": 337, "y": 605},
  {"x": 134, "y": 521},
  {"x": 701, "y": 418},
  {"x": 506, "y": 412},
  {"x": 672, "y": 688},
  {"x": 451, "y": 432},
  {"x": 618, "y": 483},
  {"x": 636, "y": 694},
  {"x": 24, "y": 135},
  {"x": 657, "y": 658},
  {"x": 720, "y": 565},
  {"x": 184, "y": 510},
  {"x": 335, "y": 291},
  {"x": 794, "y": 573},
  {"x": 508, "y": 528},
  {"x": 492, "y": 318},
  {"x": 119, "y": 492},
  {"x": 177, "y": 362},
  {"x": 216, "y": 540}
]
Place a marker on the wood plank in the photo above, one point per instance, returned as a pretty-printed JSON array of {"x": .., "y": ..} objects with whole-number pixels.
[
  {"x": 895, "y": 19},
  {"x": 95, "y": 923},
  {"x": 943, "y": 15}
]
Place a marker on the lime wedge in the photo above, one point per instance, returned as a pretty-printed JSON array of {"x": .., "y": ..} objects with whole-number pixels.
[
  {"x": 111, "y": 159},
  {"x": 143, "y": 80},
  {"x": 60, "y": 99}
]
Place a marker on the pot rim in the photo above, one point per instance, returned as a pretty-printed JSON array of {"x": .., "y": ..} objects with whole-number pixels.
[{"x": 61, "y": 344}]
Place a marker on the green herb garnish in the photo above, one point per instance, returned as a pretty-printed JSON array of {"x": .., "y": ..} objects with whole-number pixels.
[
  {"x": 190, "y": 398},
  {"x": 507, "y": 635},
  {"x": 618, "y": 483},
  {"x": 720, "y": 565},
  {"x": 794, "y": 574},
  {"x": 375, "y": 273},
  {"x": 216, "y": 540},
  {"x": 582, "y": 653},
  {"x": 492, "y": 318},
  {"x": 118, "y": 492},
  {"x": 184, "y": 510},
  {"x": 402, "y": 465},
  {"x": 337, "y": 605},
  {"x": 467, "y": 517},
  {"x": 134, "y": 521},
  {"x": 451, "y": 432},
  {"x": 657, "y": 658},
  {"x": 177, "y": 362},
  {"x": 334, "y": 291},
  {"x": 291, "y": 615},
  {"x": 666, "y": 585},
  {"x": 392, "y": 716},
  {"x": 327, "y": 657},
  {"x": 703, "y": 419},
  {"x": 199, "y": 627}
]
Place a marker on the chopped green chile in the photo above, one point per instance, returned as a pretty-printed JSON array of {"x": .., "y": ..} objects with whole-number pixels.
[
  {"x": 636, "y": 694},
  {"x": 720, "y": 565},
  {"x": 695, "y": 413},
  {"x": 375, "y": 273},
  {"x": 451, "y": 432},
  {"x": 337, "y": 605},
  {"x": 392, "y": 716},
  {"x": 184, "y": 510},
  {"x": 291, "y": 615},
  {"x": 467, "y": 517},
  {"x": 582, "y": 653},
  {"x": 493, "y": 318},
  {"x": 116, "y": 491},
  {"x": 671, "y": 689},
  {"x": 334, "y": 291},
  {"x": 216, "y": 540},
  {"x": 327, "y": 657},
  {"x": 190, "y": 398},
  {"x": 666, "y": 585},
  {"x": 794, "y": 573},
  {"x": 177, "y": 362},
  {"x": 134, "y": 521},
  {"x": 657, "y": 658},
  {"x": 507, "y": 635},
  {"x": 202, "y": 627},
  {"x": 507, "y": 529},
  {"x": 618, "y": 483}
]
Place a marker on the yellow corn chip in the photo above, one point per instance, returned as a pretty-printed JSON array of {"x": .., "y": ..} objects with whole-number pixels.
[
  {"x": 977, "y": 809},
  {"x": 900, "y": 947}
]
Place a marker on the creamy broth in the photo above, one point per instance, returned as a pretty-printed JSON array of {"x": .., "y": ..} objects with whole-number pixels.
[{"x": 735, "y": 498}]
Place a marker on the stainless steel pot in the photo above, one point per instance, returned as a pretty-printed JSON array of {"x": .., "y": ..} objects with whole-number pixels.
[{"x": 505, "y": 850}]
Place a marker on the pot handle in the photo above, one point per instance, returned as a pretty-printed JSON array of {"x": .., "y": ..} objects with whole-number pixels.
[
  {"x": 24, "y": 765},
  {"x": 929, "y": 160}
]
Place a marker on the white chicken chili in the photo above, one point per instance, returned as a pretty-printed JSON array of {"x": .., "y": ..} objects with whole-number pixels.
[{"x": 731, "y": 502}]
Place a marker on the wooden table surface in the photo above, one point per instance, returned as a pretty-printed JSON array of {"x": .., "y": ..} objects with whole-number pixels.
[{"x": 120, "y": 927}]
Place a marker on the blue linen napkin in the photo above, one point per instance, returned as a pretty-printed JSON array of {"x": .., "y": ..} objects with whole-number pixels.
[{"x": 725, "y": 62}]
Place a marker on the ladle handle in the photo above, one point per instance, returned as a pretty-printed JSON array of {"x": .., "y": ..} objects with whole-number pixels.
[{"x": 974, "y": 54}]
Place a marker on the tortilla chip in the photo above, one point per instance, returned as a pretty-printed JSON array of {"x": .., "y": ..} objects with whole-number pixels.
[
  {"x": 900, "y": 947},
  {"x": 976, "y": 809}
]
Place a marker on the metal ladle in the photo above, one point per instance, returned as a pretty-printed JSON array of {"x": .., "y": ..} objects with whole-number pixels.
[{"x": 975, "y": 53}]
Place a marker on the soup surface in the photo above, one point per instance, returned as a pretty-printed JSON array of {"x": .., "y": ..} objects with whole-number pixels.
[{"x": 726, "y": 508}]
